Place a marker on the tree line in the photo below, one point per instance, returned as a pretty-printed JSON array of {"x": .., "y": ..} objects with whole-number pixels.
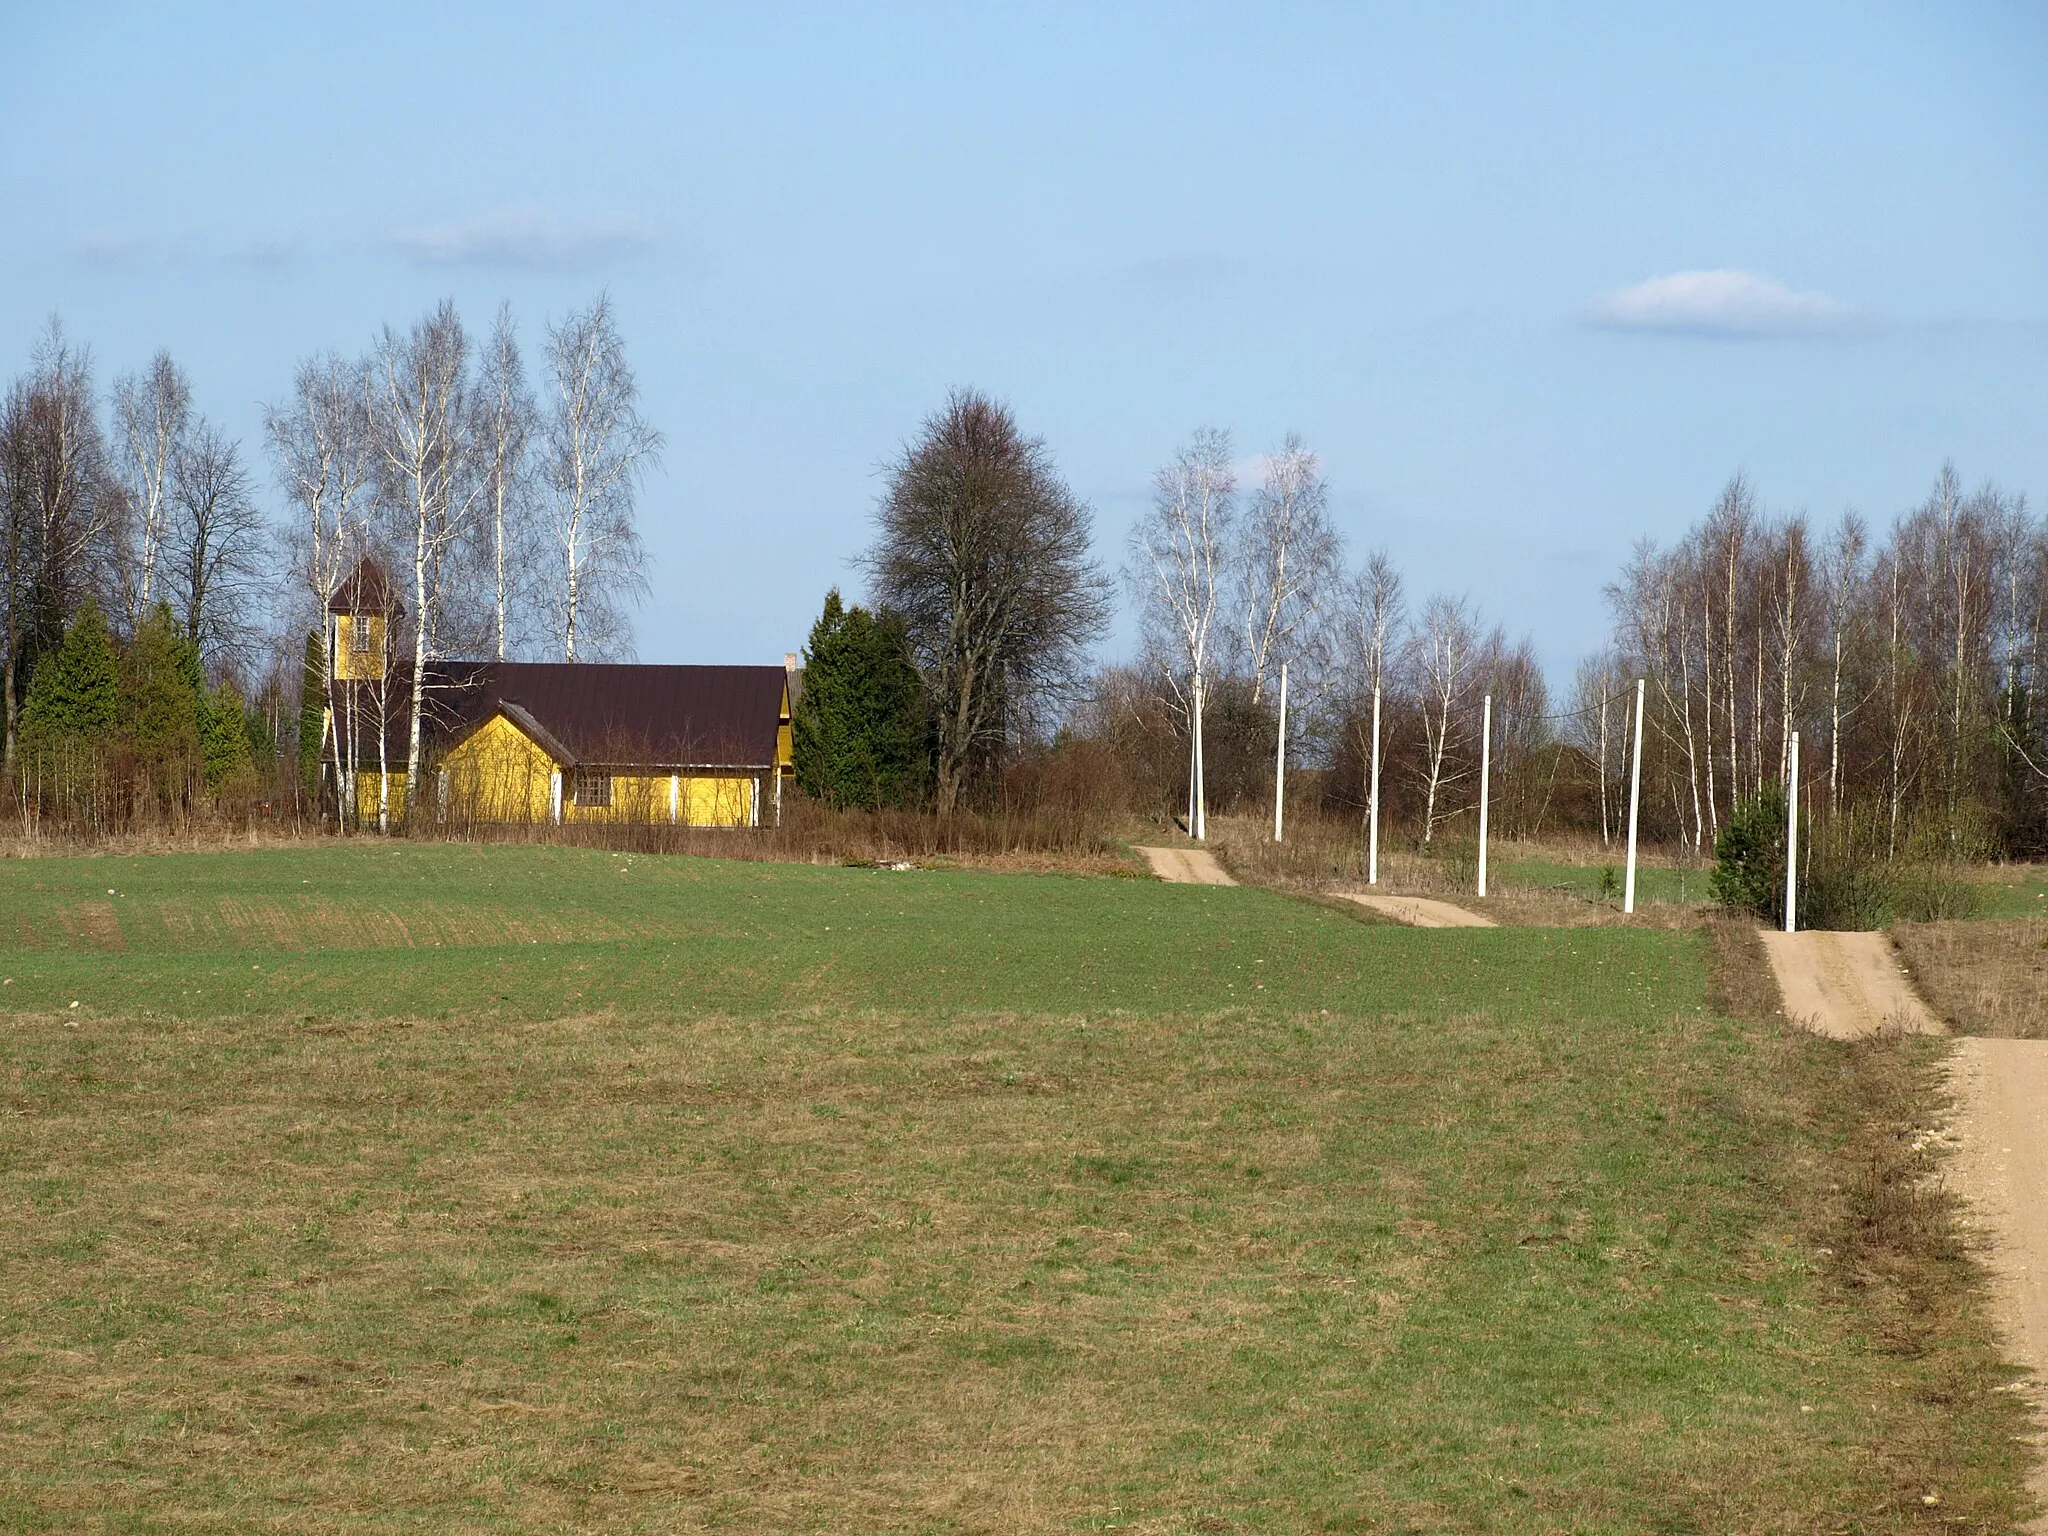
[
  {"x": 1911, "y": 666},
  {"x": 1908, "y": 663},
  {"x": 503, "y": 510},
  {"x": 974, "y": 662}
]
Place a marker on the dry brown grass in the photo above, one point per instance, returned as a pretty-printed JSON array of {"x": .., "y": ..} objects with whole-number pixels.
[
  {"x": 1325, "y": 857},
  {"x": 1503, "y": 1231},
  {"x": 1984, "y": 978},
  {"x": 198, "y": 837},
  {"x": 1874, "y": 1205},
  {"x": 1740, "y": 983},
  {"x": 1033, "y": 841}
]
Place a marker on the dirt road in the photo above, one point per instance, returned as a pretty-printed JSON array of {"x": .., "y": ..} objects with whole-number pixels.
[
  {"x": 1421, "y": 912},
  {"x": 1846, "y": 985},
  {"x": 1187, "y": 866},
  {"x": 2000, "y": 1167}
]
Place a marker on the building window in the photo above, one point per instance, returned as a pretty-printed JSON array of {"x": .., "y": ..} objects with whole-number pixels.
[
  {"x": 359, "y": 635},
  {"x": 593, "y": 788}
]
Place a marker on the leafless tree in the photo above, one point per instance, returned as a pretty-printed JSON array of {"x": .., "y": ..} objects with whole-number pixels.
[
  {"x": 1177, "y": 562},
  {"x": 429, "y": 487},
  {"x": 1442, "y": 654},
  {"x": 212, "y": 547},
  {"x": 325, "y": 457},
  {"x": 596, "y": 449},
  {"x": 1841, "y": 579},
  {"x": 152, "y": 414},
  {"x": 984, "y": 551},
  {"x": 1372, "y": 610},
  {"x": 1789, "y": 578},
  {"x": 1288, "y": 565},
  {"x": 505, "y": 423},
  {"x": 60, "y": 503},
  {"x": 1596, "y": 691}
]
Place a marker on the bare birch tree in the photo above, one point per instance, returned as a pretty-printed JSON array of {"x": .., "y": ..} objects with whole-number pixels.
[
  {"x": 1288, "y": 565},
  {"x": 1596, "y": 688},
  {"x": 421, "y": 423},
  {"x": 1841, "y": 578},
  {"x": 1442, "y": 651},
  {"x": 505, "y": 423},
  {"x": 596, "y": 449},
  {"x": 322, "y": 447},
  {"x": 1372, "y": 610},
  {"x": 152, "y": 415},
  {"x": 1177, "y": 562}
]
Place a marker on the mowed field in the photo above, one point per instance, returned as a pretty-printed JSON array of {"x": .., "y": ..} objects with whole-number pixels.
[{"x": 399, "y": 1187}]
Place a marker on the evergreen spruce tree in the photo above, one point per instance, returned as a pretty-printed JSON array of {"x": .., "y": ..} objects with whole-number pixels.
[
  {"x": 74, "y": 696},
  {"x": 224, "y": 739},
  {"x": 861, "y": 737},
  {"x": 312, "y": 713},
  {"x": 160, "y": 704}
]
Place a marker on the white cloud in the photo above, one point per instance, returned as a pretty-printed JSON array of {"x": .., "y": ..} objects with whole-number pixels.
[
  {"x": 523, "y": 237},
  {"x": 1725, "y": 302}
]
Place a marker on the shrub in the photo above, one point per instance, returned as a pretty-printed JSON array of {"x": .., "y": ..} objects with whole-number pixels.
[
  {"x": 1851, "y": 876},
  {"x": 1749, "y": 858}
]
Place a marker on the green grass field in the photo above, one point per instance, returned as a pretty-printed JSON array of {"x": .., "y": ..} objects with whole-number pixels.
[
  {"x": 2020, "y": 891},
  {"x": 393, "y": 1188},
  {"x": 1654, "y": 883}
]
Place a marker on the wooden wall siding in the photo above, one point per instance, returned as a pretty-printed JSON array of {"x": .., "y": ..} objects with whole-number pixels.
[
  {"x": 351, "y": 664},
  {"x": 500, "y": 774},
  {"x": 366, "y": 797}
]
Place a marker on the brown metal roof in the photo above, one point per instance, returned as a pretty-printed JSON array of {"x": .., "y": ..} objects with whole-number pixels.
[
  {"x": 606, "y": 714},
  {"x": 364, "y": 590}
]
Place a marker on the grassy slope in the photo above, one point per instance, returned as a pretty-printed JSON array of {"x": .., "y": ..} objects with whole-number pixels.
[
  {"x": 911, "y": 1202},
  {"x": 1654, "y": 883},
  {"x": 535, "y": 932},
  {"x": 2020, "y": 892}
]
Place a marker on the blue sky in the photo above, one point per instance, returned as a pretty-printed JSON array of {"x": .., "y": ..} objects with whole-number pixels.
[{"x": 1449, "y": 244}]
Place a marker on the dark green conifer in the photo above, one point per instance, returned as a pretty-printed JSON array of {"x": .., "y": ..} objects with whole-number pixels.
[
  {"x": 861, "y": 734},
  {"x": 160, "y": 702},
  {"x": 74, "y": 696},
  {"x": 224, "y": 737}
]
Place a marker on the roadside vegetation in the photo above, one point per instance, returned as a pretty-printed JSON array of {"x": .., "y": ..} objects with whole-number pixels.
[
  {"x": 361, "y": 1187},
  {"x": 1984, "y": 978}
]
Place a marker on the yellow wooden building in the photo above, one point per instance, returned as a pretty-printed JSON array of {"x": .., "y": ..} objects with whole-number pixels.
[{"x": 550, "y": 742}]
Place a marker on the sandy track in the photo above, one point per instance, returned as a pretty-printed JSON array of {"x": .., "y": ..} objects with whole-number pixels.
[
  {"x": 2000, "y": 1167},
  {"x": 1421, "y": 912},
  {"x": 1849, "y": 986},
  {"x": 1846, "y": 985},
  {"x": 1187, "y": 866}
]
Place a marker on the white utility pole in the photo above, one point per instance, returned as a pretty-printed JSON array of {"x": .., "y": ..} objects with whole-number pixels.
[
  {"x": 1485, "y": 783},
  {"x": 1635, "y": 802},
  {"x": 1792, "y": 842},
  {"x": 1280, "y": 760},
  {"x": 1372, "y": 834}
]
